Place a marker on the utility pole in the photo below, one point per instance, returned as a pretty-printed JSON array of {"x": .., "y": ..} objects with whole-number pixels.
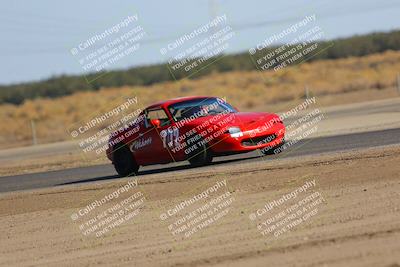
[
  {"x": 33, "y": 127},
  {"x": 307, "y": 92},
  {"x": 398, "y": 83},
  {"x": 212, "y": 9},
  {"x": 213, "y": 13}
]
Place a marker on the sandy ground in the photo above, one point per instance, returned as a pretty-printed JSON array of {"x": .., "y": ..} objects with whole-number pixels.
[{"x": 356, "y": 224}]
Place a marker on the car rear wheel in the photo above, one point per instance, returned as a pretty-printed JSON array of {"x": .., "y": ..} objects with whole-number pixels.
[
  {"x": 201, "y": 155},
  {"x": 124, "y": 162}
]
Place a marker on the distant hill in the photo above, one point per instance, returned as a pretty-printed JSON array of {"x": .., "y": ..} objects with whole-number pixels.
[{"x": 147, "y": 75}]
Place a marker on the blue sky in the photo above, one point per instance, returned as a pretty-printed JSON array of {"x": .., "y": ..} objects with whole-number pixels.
[{"x": 36, "y": 36}]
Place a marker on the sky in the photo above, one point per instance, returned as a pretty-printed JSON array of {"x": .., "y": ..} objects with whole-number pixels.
[{"x": 37, "y": 36}]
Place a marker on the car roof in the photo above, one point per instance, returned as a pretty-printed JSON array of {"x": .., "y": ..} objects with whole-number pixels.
[{"x": 168, "y": 102}]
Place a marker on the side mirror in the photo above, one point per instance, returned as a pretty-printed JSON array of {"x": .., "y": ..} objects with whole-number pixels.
[{"x": 156, "y": 123}]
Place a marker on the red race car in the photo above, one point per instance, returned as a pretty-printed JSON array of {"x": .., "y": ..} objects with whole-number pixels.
[{"x": 194, "y": 129}]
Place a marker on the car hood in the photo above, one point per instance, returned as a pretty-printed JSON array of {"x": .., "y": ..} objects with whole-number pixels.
[
  {"x": 251, "y": 120},
  {"x": 244, "y": 120}
]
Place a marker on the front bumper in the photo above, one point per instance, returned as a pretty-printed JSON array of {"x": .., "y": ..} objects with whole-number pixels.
[{"x": 251, "y": 140}]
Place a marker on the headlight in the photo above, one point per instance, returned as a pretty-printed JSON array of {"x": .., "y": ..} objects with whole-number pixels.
[{"x": 235, "y": 132}]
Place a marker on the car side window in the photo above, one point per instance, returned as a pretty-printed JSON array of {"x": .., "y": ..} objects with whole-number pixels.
[{"x": 157, "y": 114}]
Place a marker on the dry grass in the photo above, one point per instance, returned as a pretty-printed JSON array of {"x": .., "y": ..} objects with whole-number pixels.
[{"x": 245, "y": 90}]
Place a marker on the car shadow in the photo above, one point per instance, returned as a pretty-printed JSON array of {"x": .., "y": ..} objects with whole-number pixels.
[{"x": 159, "y": 170}]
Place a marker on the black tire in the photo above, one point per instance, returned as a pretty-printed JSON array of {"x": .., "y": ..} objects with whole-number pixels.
[
  {"x": 273, "y": 150},
  {"x": 124, "y": 162},
  {"x": 201, "y": 156}
]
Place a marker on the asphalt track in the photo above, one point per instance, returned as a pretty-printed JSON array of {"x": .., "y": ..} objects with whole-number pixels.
[{"x": 104, "y": 172}]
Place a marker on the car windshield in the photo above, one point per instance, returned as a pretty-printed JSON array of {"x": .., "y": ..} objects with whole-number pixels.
[{"x": 202, "y": 107}]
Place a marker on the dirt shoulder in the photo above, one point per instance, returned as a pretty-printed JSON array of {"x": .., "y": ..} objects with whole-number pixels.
[{"x": 356, "y": 224}]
